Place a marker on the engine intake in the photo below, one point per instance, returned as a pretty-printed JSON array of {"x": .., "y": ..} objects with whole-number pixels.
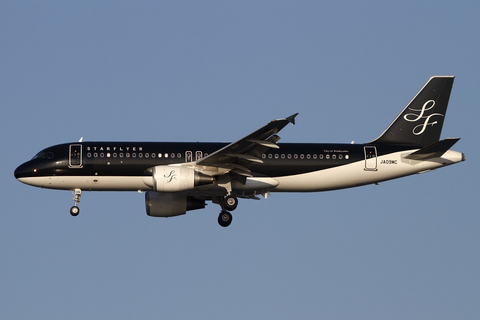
[{"x": 175, "y": 179}]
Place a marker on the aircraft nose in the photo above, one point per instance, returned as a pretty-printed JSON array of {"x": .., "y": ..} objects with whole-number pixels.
[{"x": 23, "y": 170}]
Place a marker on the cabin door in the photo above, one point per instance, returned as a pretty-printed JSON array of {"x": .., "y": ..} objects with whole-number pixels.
[{"x": 75, "y": 156}]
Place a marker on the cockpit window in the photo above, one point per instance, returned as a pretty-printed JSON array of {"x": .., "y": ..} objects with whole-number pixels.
[
  {"x": 40, "y": 155},
  {"x": 43, "y": 155}
]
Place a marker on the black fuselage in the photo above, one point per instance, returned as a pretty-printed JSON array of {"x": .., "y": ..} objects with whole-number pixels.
[{"x": 136, "y": 158}]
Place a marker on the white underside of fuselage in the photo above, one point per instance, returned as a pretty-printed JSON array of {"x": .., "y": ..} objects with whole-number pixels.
[
  {"x": 91, "y": 183},
  {"x": 387, "y": 167}
]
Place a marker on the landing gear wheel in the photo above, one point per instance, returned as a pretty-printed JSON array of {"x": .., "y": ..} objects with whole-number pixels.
[
  {"x": 225, "y": 218},
  {"x": 231, "y": 202},
  {"x": 74, "y": 211}
]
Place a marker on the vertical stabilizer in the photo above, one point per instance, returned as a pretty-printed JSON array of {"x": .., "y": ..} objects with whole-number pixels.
[{"x": 420, "y": 123}]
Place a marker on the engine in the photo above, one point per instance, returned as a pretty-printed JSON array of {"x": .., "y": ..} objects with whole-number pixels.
[
  {"x": 170, "y": 204},
  {"x": 175, "y": 179}
]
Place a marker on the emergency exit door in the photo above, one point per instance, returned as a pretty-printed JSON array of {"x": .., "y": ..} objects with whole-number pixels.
[{"x": 370, "y": 158}]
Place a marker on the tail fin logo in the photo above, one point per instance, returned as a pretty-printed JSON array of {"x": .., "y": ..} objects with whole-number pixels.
[{"x": 413, "y": 117}]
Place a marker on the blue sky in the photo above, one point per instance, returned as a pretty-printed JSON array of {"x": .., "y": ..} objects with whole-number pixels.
[{"x": 216, "y": 71}]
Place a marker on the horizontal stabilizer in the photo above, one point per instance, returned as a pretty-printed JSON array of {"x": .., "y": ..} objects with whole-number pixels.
[{"x": 435, "y": 150}]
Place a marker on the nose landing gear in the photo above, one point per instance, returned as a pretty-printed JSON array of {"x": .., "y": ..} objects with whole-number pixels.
[{"x": 75, "y": 210}]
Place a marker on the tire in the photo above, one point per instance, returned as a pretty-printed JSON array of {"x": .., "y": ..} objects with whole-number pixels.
[
  {"x": 74, "y": 211},
  {"x": 231, "y": 203},
  {"x": 225, "y": 218}
]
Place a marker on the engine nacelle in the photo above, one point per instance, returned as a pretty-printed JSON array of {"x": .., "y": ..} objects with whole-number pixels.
[
  {"x": 176, "y": 178},
  {"x": 170, "y": 204}
]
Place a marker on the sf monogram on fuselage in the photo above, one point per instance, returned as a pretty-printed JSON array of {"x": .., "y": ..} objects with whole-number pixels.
[{"x": 181, "y": 176}]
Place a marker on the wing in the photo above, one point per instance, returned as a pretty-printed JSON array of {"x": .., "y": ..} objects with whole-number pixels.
[{"x": 239, "y": 155}]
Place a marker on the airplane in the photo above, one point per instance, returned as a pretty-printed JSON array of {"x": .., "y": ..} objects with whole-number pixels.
[{"x": 181, "y": 176}]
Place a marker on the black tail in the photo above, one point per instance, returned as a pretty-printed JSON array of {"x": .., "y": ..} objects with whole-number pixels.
[{"x": 420, "y": 123}]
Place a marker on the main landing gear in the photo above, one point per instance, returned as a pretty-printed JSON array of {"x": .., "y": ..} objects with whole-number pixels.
[
  {"x": 228, "y": 203},
  {"x": 75, "y": 210}
]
